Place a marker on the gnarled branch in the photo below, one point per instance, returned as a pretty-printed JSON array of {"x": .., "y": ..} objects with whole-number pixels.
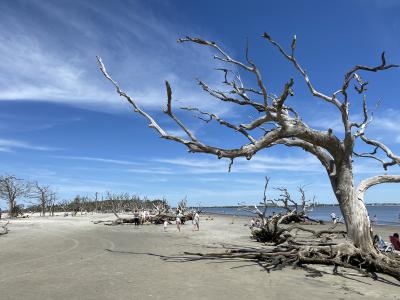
[{"x": 380, "y": 179}]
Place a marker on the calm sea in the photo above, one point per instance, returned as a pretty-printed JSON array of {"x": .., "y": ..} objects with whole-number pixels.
[{"x": 385, "y": 214}]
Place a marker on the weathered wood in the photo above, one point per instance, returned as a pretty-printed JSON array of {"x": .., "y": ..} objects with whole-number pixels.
[{"x": 4, "y": 228}]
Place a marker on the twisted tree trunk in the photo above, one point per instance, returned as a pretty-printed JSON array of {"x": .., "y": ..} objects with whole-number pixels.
[{"x": 354, "y": 212}]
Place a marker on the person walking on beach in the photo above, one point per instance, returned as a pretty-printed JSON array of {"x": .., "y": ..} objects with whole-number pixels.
[
  {"x": 178, "y": 221},
  {"x": 334, "y": 218},
  {"x": 196, "y": 222}
]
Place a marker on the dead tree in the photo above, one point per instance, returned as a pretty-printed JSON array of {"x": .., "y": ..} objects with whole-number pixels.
[
  {"x": 335, "y": 153},
  {"x": 270, "y": 229},
  {"x": 11, "y": 188},
  {"x": 307, "y": 205},
  {"x": 182, "y": 206},
  {"x": 298, "y": 212},
  {"x": 95, "y": 201},
  {"x": 43, "y": 194},
  {"x": 51, "y": 203}
]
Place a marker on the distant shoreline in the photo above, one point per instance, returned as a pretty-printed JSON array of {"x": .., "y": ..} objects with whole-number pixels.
[{"x": 316, "y": 205}]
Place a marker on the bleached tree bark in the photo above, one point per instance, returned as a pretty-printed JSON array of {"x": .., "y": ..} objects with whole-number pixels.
[{"x": 335, "y": 154}]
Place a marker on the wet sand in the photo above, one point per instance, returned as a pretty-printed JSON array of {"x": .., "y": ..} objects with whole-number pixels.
[{"x": 72, "y": 258}]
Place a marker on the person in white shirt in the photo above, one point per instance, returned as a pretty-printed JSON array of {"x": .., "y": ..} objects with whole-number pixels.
[
  {"x": 178, "y": 221},
  {"x": 165, "y": 225},
  {"x": 196, "y": 222},
  {"x": 333, "y": 217}
]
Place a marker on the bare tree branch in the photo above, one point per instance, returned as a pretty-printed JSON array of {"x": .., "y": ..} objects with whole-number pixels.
[
  {"x": 395, "y": 159},
  {"x": 293, "y": 59},
  {"x": 225, "y": 57},
  {"x": 369, "y": 182},
  {"x": 352, "y": 73},
  {"x": 293, "y": 128},
  {"x": 223, "y": 97},
  {"x": 168, "y": 111},
  {"x": 221, "y": 121}
]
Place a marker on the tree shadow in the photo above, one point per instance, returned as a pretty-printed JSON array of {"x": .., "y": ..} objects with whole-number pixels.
[{"x": 265, "y": 266}]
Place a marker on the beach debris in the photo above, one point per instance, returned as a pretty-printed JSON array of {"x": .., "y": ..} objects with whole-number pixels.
[
  {"x": 3, "y": 228},
  {"x": 266, "y": 228}
]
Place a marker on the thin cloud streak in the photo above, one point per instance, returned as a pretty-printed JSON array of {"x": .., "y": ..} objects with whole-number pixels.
[
  {"x": 100, "y": 159},
  {"x": 10, "y": 145}
]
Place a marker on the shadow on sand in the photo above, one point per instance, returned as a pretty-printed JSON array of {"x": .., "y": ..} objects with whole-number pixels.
[{"x": 192, "y": 257}]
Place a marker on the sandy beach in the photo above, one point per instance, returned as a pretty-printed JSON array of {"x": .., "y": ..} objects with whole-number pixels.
[{"x": 72, "y": 258}]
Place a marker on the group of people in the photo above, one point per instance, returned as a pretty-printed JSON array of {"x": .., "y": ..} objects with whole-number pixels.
[
  {"x": 255, "y": 223},
  {"x": 383, "y": 246},
  {"x": 178, "y": 221},
  {"x": 335, "y": 219}
]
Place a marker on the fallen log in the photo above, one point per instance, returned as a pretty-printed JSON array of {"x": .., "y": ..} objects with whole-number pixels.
[{"x": 3, "y": 228}]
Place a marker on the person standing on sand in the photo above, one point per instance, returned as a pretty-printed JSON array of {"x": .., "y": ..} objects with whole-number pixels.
[
  {"x": 165, "y": 225},
  {"x": 196, "y": 222},
  {"x": 334, "y": 218},
  {"x": 178, "y": 221}
]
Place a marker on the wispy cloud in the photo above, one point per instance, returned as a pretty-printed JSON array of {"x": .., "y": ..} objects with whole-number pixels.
[
  {"x": 11, "y": 122},
  {"x": 10, "y": 145},
  {"x": 38, "y": 64},
  {"x": 152, "y": 170},
  {"x": 100, "y": 159},
  {"x": 258, "y": 164}
]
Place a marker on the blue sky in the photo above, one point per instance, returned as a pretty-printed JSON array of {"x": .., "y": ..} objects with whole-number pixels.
[{"x": 62, "y": 123}]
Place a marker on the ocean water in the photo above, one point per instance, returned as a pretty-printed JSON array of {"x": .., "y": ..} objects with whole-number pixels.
[{"x": 385, "y": 214}]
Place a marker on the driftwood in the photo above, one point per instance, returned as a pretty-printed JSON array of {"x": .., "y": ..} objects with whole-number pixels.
[
  {"x": 151, "y": 219},
  {"x": 315, "y": 233},
  {"x": 270, "y": 229},
  {"x": 3, "y": 228},
  {"x": 300, "y": 254}
]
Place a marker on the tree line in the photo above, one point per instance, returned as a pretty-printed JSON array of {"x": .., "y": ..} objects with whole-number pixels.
[{"x": 24, "y": 196}]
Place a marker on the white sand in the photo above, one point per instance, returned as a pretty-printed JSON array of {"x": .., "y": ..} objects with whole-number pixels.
[{"x": 66, "y": 258}]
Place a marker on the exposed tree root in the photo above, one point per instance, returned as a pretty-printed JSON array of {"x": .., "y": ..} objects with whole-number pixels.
[
  {"x": 278, "y": 235},
  {"x": 315, "y": 233},
  {"x": 344, "y": 255}
]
